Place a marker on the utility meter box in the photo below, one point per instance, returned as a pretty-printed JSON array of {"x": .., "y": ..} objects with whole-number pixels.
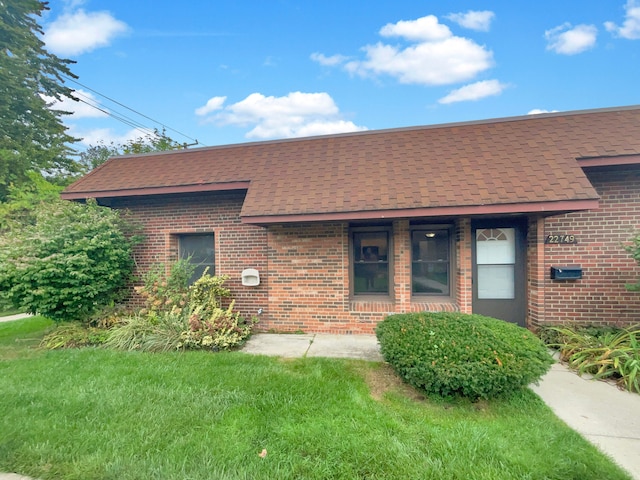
[{"x": 250, "y": 277}]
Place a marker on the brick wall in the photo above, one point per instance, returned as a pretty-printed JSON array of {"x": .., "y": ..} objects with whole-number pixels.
[
  {"x": 535, "y": 272},
  {"x": 600, "y": 296},
  {"x": 237, "y": 246},
  {"x": 304, "y": 268},
  {"x": 309, "y": 281}
]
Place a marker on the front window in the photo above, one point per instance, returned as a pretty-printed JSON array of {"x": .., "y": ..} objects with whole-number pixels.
[
  {"x": 199, "y": 250},
  {"x": 371, "y": 262},
  {"x": 430, "y": 261}
]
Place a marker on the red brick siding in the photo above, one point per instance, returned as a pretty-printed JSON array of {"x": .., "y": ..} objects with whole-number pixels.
[
  {"x": 600, "y": 296},
  {"x": 463, "y": 274},
  {"x": 237, "y": 246},
  {"x": 304, "y": 268},
  {"x": 535, "y": 272},
  {"x": 309, "y": 281}
]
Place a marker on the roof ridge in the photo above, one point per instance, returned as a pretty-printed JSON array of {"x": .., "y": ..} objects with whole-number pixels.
[{"x": 486, "y": 121}]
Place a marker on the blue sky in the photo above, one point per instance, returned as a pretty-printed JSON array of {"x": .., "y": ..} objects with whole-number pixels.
[{"x": 236, "y": 71}]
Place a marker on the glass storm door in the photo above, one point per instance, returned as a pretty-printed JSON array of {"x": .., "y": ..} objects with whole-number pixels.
[{"x": 499, "y": 251}]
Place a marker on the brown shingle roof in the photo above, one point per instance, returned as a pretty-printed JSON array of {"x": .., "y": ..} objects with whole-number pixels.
[{"x": 519, "y": 164}]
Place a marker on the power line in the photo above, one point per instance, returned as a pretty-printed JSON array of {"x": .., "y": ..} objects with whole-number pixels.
[
  {"x": 112, "y": 113},
  {"x": 122, "y": 117}
]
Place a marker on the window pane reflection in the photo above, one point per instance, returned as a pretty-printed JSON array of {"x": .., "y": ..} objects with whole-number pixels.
[
  {"x": 430, "y": 262},
  {"x": 371, "y": 262}
]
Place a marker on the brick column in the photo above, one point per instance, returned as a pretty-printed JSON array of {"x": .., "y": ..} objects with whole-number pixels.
[
  {"x": 402, "y": 266},
  {"x": 463, "y": 265},
  {"x": 536, "y": 271}
]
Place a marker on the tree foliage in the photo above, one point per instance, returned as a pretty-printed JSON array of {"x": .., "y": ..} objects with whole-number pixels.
[
  {"x": 19, "y": 209},
  {"x": 633, "y": 248},
  {"x": 72, "y": 261},
  {"x": 96, "y": 155},
  {"x": 32, "y": 136}
]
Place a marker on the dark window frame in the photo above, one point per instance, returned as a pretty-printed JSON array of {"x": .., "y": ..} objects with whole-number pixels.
[
  {"x": 357, "y": 262},
  {"x": 449, "y": 262},
  {"x": 201, "y": 266}
]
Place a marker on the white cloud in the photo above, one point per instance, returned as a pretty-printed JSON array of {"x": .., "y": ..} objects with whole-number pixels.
[
  {"x": 537, "y": 111},
  {"x": 105, "y": 136},
  {"x": 425, "y": 29},
  {"x": 567, "y": 40},
  {"x": 474, "y": 20},
  {"x": 474, "y": 91},
  {"x": 79, "y": 109},
  {"x": 78, "y": 32},
  {"x": 452, "y": 60},
  {"x": 331, "y": 61},
  {"x": 630, "y": 29},
  {"x": 434, "y": 56},
  {"x": 213, "y": 104},
  {"x": 297, "y": 114}
]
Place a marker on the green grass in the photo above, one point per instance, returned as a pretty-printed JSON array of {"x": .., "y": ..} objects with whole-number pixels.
[
  {"x": 19, "y": 337},
  {"x": 99, "y": 414}
]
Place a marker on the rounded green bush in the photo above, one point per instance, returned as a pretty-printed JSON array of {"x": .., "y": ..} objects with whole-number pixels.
[{"x": 456, "y": 354}]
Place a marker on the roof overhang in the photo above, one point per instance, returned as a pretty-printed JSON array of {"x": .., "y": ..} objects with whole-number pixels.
[
  {"x": 614, "y": 161},
  {"x": 548, "y": 208},
  {"x": 150, "y": 191}
]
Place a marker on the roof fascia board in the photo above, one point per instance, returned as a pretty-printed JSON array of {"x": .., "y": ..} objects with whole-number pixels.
[
  {"x": 149, "y": 191},
  {"x": 618, "y": 160},
  {"x": 537, "y": 207}
]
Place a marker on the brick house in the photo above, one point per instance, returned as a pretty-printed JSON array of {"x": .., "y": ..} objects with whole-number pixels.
[{"x": 332, "y": 233}]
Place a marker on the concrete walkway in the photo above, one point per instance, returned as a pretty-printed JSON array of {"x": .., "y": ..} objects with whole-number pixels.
[
  {"x": 10, "y": 318},
  {"x": 603, "y": 414},
  {"x": 364, "y": 347},
  {"x": 607, "y": 417}
]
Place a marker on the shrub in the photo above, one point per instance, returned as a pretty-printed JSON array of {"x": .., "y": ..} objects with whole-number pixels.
[
  {"x": 454, "y": 354},
  {"x": 633, "y": 248},
  {"x": 109, "y": 316},
  {"x": 70, "y": 263},
  {"x": 74, "y": 335},
  {"x": 181, "y": 318},
  {"x": 207, "y": 293},
  {"x": 553, "y": 335},
  {"x": 603, "y": 352},
  {"x": 164, "y": 292},
  {"x": 210, "y": 325},
  {"x": 219, "y": 329}
]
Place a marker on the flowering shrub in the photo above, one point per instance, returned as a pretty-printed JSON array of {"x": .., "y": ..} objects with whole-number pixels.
[
  {"x": 207, "y": 293},
  {"x": 182, "y": 317},
  {"x": 162, "y": 292},
  {"x": 215, "y": 329}
]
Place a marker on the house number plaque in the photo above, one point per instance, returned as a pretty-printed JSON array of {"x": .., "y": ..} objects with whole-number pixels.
[{"x": 561, "y": 239}]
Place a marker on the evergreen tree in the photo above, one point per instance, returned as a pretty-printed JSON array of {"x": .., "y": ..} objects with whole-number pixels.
[{"x": 32, "y": 136}]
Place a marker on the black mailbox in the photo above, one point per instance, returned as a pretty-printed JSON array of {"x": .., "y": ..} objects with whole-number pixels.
[{"x": 566, "y": 272}]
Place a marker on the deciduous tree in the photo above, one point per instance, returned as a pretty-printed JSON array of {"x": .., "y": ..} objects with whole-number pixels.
[
  {"x": 96, "y": 155},
  {"x": 72, "y": 261}
]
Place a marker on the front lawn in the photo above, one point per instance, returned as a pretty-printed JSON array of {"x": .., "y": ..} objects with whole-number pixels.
[{"x": 100, "y": 414}]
